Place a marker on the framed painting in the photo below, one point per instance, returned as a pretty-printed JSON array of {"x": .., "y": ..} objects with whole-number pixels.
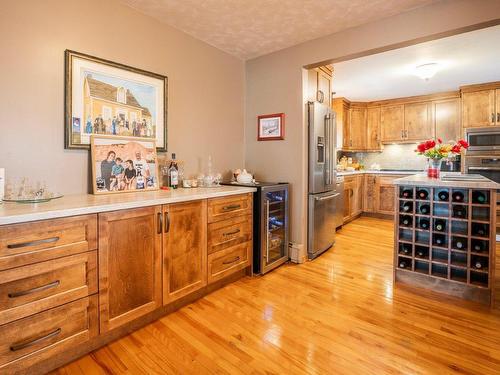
[
  {"x": 123, "y": 164},
  {"x": 271, "y": 127},
  {"x": 107, "y": 98}
]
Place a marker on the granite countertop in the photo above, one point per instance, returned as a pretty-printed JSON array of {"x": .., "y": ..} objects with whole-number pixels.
[
  {"x": 82, "y": 204},
  {"x": 373, "y": 171},
  {"x": 423, "y": 180}
]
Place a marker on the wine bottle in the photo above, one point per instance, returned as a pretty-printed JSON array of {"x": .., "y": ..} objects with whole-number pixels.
[
  {"x": 407, "y": 207},
  {"x": 406, "y": 221},
  {"x": 443, "y": 195},
  {"x": 440, "y": 225},
  {"x": 459, "y": 211},
  {"x": 479, "y": 264},
  {"x": 407, "y": 193},
  {"x": 423, "y": 223},
  {"x": 459, "y": 244},
  {"x": 173, "y": 173},
  {"x": 457, "y": 196},
  {"x": 405, "y": 249},
  {"x": 478, "y": 197},
  {"x": 422, "y": 194},
  {"x": 439, "y": 239},
  {"x": 421, "y": 253},
  {"x": 425, "y": 209},
  {"x": 403, "y": 264},
  {"x": 478, "y": 229},
  {"x": 478, "y": 245}
]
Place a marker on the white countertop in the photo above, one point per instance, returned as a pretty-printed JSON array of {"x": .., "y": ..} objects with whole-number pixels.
[
  {"x": 373, "y": 171},
  {"x": 423, "y": 180},
  {"x": 82, "y": 204}
]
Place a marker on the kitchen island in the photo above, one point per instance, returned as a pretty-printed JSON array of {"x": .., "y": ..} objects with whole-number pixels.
[{"x": 445, "y": 235}]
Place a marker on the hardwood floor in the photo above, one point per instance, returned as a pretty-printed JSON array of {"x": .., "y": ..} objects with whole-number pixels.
[{"x": 339, "y": 314}]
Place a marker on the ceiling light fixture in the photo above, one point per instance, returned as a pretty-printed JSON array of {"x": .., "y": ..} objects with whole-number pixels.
[{"x": 426, "y": 71}]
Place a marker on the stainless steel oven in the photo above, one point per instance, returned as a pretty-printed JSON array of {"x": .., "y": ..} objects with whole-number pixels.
[
  {"x": 487, "y": 165},
  {"x": 483, "y": 140}
]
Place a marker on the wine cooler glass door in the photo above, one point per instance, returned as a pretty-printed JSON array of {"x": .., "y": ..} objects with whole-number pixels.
[{"x": 276, "y": 222}]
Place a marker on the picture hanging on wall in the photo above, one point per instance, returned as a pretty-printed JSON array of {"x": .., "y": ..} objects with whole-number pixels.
[
  {"x": 108, "y": 98},
  {"x": 123, "y": 164},
  {"x": 271, "y": 127}
]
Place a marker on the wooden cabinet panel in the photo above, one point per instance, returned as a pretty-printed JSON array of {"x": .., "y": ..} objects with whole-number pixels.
[
  {"x": 30, "y": 289},
  {"x": 358, "y": 128},
  {"x": 369, "y": 193},
  {"x": 228, "y": 207},
  {"x": 497, "y": 107},
  {"x": 346, "y": 128},
  {"x": 392, "y": 123},
  {"x": 447, "y": 119},
  {"x": 184, "y": 249},
  {"x": 385, "y": 192},
  {"x": 348, "y": 197},
  {"x": 228, "y": 261},
  {"x": 40, "y": 336},
  {"x": 418, "y": 122},
  {"x": 478, "y": 108},
  {"x": 129, "y": 265},
  {"x": 324, "y": 87},
  {"x": 29, "y": 243},
  {"x": 227, "y": 233},
  {"x": 373, "y": 136},
  {"x": 353, "y": 196}
]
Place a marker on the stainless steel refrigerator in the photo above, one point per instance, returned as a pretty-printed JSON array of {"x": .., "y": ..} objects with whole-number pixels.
[{"x": 322, "y": 195}]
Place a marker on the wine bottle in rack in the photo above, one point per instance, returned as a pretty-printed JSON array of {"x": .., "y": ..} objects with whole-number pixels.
[
  {"x": 424, "y": 223},
  {"x": 479, "y": 264},
  {"x": 457, "y": 196},
  {"x": 443, "y": 195},
  {"x": 459, "y": 211},
  {"x": 478, "y": 246},
  {"x": 407, "y": 207},
  {"x": 422, "y": 194},
  {"x": 460, "y": 243},
  {"x": 405, "y": 249},
  {"x": 478, "y": 197},
  {"x": 440, "y": 225},
  {"x": 407, "y": 193},
  {"x": 421, "y": 253},
  {"x": 479, "y": 230},
  {"x": 404, "y": 264},
  {"x": 439, "y": 240},
  {"x": 406, "y": 221},
  {"x": 425, "y": 209}
]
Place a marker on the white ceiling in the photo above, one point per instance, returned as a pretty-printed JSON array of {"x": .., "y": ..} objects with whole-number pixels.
[
  {"x": 251, "y": 28},
  {"x": 463, "y": 59}
]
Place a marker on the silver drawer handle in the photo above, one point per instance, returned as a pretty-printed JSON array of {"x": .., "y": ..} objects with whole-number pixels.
[
  {"x": 33, "y": 243},
  {"x": 231, "y": 261},
  {"x": 23, "y": 345},
  {"x": 328, "y": 197},
  {"x": 231, "y": 207},
  {"x": 34, "y": 290},
  {"x": 231, "y": 233}
]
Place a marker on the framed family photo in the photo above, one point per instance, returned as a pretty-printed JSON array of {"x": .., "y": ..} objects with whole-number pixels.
[
  {"x": 271, "y": 127},
  {"x": 123, "y": 164},
  {"x": 107, "y": 98}
]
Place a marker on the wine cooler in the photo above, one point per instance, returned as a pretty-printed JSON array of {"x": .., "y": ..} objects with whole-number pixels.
[{"x": 271, "y": 225}]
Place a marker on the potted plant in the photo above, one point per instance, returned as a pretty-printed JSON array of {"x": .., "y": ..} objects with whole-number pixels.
[{"x": 435, "y": 151}]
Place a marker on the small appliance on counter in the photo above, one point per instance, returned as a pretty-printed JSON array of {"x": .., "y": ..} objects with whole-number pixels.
[{"x": 270, "y": 224}]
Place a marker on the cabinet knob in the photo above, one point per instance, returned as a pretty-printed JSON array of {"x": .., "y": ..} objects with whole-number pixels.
[
  {"x": 492, "y": 118},
  {"x": 498, "y": 117}
]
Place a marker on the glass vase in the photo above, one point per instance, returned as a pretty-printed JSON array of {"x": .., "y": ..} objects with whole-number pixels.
[{"x": 433, "y": 168}]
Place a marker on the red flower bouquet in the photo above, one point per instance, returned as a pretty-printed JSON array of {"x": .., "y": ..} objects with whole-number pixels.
[{"x": 436, "y": 150}]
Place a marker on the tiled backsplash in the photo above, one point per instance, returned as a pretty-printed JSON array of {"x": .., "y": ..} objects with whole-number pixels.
[{"x": 393, "y": 157}]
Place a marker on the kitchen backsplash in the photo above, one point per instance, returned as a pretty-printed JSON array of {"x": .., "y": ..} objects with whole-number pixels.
[{"x": 393, "y": 157}]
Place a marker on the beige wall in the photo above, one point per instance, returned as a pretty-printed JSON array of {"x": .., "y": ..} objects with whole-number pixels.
[
  {"x": 206, "y": 86},
  {"x": 276, "y": 83}
]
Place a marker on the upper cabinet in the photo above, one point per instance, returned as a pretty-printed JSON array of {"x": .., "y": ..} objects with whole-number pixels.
[
  {"x": 357, "y": 131},
  {"x": 481, "y": 105},
  {"x": 392, "y": 123},
  {"x": 418, "y": 122},
  {"x": 341, "y": 108},
  {"x": 446, "y": 118},
  {"x": 320, "y": 84}
]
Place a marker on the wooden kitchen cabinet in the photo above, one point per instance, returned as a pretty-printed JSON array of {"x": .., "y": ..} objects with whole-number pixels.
[
  {"x": 357, "y": 131},
  {"x": 418, "y": 122},
  {"x": 385, "y": 192},
  {"x": 369, "y": 194},
  {"x": 447, "y": 119},
  {"x": 353, "y": 197},
  {"x": 320, "y": 84},
  {"x": 392, "y": 123},
  {"x": 373, "y": 136},
  {"x": 478, "y": 108},
  {"x": 341, "y": 108},
  {"x": 130, "y": 265},
  {"x": 184, "y": 249}
]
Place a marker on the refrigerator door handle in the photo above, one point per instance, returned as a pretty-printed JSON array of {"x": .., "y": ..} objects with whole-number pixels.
[
  {"x": 328, "y": 177},
  {"x": 328, "y": 197},
  {"x": 267, "y": 231}
]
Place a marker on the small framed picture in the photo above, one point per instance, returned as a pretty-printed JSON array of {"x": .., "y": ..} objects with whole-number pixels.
[
  {"x": 123, "y": 164},
  {"x": 271, "y": 127}
]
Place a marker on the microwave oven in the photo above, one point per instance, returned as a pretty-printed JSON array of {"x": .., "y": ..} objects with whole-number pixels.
[{"x": 483, "y": 140}]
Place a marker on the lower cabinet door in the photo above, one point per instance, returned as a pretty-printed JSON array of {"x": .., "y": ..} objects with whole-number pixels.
[
  {"x": 230, "y": 260},
  {"x": 27, "y": 341},
  {"x": 184, "y": 249},
  {"x": 129, "y": 265}
]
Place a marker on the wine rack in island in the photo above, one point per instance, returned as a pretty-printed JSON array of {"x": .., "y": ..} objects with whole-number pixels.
[{"x": 445, "y": 240}]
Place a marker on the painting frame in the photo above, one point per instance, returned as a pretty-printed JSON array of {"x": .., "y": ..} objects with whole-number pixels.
[
  {"x": 69, "y": 57},
  {"x": 266, "y": 121},
  {"x": 93, "y": 150}
]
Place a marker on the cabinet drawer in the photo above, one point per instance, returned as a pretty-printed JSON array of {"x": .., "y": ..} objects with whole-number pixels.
[
  {"x": 40, "y": 336},
  {"x": 29, "y": 243},
  {"x": 30, "y": 289},
  {"x": 225, "y": 262},
  {"x": 228, "y": 207},
  {"x": 230, "y": 232}
]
